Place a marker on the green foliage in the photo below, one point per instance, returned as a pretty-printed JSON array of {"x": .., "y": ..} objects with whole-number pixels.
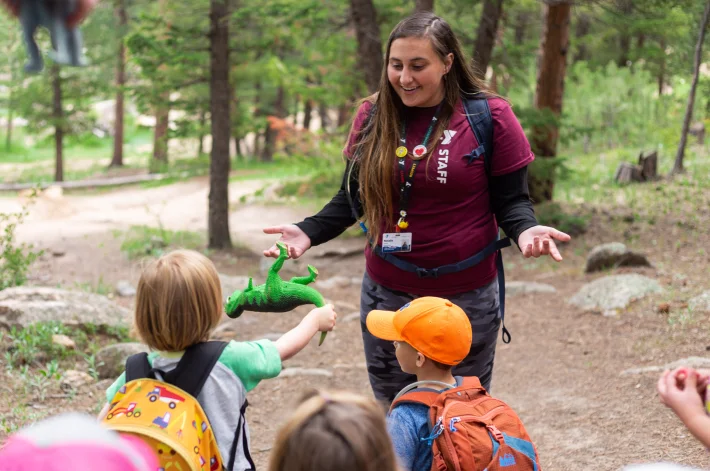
[
  {"x": 141, "y": 241},
  {"x": 26, "y": 344},
  {"x": 553, "y": 215},
  {"x": 15, "y": 258}
]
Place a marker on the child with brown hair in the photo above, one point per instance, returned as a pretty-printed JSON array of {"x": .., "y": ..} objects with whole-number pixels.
[
  {"x": 334, "y": 431},
  {"x": 178, "y": 305}
]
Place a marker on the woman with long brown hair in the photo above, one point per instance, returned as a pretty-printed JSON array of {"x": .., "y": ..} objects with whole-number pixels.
[{"x": 433, "y": 231}]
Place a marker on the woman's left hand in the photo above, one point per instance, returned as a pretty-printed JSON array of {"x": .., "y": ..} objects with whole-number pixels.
[{"x": 540, "y": 240}]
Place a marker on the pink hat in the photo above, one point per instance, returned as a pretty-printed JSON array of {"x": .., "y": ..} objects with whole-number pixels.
[{"x": 74, "y": 442}]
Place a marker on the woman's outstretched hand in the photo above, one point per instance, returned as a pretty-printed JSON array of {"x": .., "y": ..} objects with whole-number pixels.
[
  {"x": 295, "y": 239},
  {"x": 540, "y": 240}
]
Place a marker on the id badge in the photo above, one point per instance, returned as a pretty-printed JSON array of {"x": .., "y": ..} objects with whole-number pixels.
[{"x": 394, "y": 242}]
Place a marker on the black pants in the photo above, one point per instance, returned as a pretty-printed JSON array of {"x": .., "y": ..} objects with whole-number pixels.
[{"x": 386, "y": 377}]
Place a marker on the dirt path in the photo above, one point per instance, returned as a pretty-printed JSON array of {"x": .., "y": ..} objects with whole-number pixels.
[{"x": 562, "y": 372}]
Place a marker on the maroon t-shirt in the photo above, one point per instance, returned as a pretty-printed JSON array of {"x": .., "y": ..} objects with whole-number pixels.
[{"x": 449, "y": 212}]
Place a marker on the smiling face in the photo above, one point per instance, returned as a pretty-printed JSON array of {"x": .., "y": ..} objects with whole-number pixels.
[{"x": 416, "y": 71}]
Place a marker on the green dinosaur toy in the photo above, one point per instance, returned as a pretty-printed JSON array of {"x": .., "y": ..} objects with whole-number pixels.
[{"x": 276, "y": 295}]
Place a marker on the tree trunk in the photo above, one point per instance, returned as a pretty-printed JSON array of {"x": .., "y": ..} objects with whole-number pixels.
[
  {"x": 324, "y": 118},
  {"x": 486, "y": 37},
  {"x": 552, "y": 67},
  {"x": 625, "y": 8},
  {"x": 270, "y": 133},
  {"x": 521, "y": 27},
  {"x": 662, "y": 68},
  {"x": 424, "y": 5},
  {"x": 678, "y": 166},
  {"x": 117, "y": 159},
  {"x": 344, "y": 113},
  {"x": 584, "y": 24},
  {"x": 307, "y": 110},
  {"x": 58, "y": 117},
  {"x": 162, "y": 116},
  {"x": 8, "y": 131},
  {"x": 160, "y": 137},
  {"x": 218, "y": 214},
  {"x": 201, "y": 136},
  {"x": 369, "y": 45}
]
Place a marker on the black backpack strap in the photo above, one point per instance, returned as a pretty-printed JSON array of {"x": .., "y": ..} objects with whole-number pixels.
[
  {"x": 479, "y": 117},
  {"x": 195, "y": 367},
  {"x": 241, "y": 430},
  {"x": 137, "y": 366}
]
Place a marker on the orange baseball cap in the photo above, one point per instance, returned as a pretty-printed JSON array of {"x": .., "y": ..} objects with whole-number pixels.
[{"x": 436, "y": 327}]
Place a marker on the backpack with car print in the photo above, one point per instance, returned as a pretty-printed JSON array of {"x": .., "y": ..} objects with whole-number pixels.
[{"x": 162, "y": 409}]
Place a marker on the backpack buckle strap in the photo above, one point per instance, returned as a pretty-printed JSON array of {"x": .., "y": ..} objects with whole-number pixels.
[
  {"x": 497, "y": 434},
  {"x": 475, "y": 154},
  {"x": 452, "y": 423},
  {"x": 436, "y": 430},
  {"x": 427, "y": 272}
]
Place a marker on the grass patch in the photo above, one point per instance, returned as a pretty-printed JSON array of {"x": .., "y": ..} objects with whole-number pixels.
[{"x": 141, "y": 241}]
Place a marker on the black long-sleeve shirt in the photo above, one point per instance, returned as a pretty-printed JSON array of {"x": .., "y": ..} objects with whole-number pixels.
[{"x": 509, "y": 195}]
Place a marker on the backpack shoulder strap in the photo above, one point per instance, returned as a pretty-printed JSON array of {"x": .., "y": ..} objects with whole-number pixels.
[
  {"x": 414, "y": 394},
  {"x": 470, "y": 382},
  {"x": 479, "y": 118},
  {"x": 195, "y": 367},
  {"x": 137, "y": 366}
]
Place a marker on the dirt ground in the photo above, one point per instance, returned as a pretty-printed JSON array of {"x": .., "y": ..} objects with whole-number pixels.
[{"x": 562, "y": 371}]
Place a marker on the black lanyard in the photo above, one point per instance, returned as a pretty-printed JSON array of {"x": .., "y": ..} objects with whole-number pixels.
[{"x": 406, "y": 179}]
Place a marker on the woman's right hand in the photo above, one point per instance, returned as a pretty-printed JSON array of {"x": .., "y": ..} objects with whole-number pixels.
[{"x": 295, "y": 239}]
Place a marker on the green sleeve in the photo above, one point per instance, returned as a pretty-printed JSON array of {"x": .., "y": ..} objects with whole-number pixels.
[
  {"x": 113, "y": 389},
  {"x": 252, "y": 361},
  {"x": 118, "y": 384}
]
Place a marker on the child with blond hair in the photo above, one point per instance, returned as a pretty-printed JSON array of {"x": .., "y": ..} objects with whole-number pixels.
[
  {"x": 178, "y": 305},
  {"x": 334, "y": 431}
]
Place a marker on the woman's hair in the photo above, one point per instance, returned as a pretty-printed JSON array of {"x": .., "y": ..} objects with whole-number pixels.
[
  {"x": 377, "y": 140},
  {"x": 178, "y": 301},
  {"x": 336, "y": 431}
]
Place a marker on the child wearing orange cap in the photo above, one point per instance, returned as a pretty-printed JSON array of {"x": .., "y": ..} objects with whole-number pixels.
[{"x": 431, "y": 335}]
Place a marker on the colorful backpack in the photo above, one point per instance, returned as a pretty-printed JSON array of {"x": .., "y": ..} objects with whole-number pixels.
[
  {"x": 472, "y": 431},
  {"x": 161, "y": 409}
]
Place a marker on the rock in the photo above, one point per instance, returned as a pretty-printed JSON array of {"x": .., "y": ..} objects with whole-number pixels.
[
  {"x": 700, "y": 303},
  {"x": 73, "y": 380},
  {"x": 614, "y": 292},
  {"x": 353, "y": 316},
  {"x": 515, "y": 288},
  {"x": 612, "y": 255},
  {"x": 232, "y": 283},
  {"x": 334, "y": 282},
  {"x": 21, "y": 306},
  {"x": 125, "y": 289},
  {"x": 58, "y": 253},
  {"x": 111, "y": 360},
  {"x": 297, "y": 371},
  {"x": 63, "y": 341}
]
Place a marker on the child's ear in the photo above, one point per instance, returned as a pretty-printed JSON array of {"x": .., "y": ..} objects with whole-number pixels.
[{"x": 421, "y": 359}]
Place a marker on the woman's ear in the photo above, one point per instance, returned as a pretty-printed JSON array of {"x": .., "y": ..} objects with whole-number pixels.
[{"x": 448, "y": 61}]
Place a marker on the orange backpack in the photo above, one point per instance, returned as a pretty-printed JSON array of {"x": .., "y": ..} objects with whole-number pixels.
[
  {"x": 472, "y": 431},
  {"x": 162, "y": 410}
]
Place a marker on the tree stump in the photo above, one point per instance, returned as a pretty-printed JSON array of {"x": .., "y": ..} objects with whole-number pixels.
[
  {"x": 698, "y": 130},
  {"x": 649, "y": 166},
  {"x": 627, "y": 173}
]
